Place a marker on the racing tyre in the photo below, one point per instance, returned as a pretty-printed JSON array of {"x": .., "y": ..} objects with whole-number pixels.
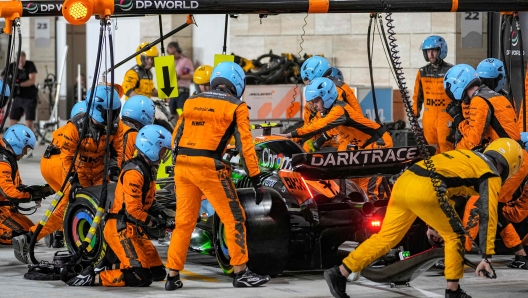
[
  {"x": 78, "y": 219},
  {"x": 268, "y": 234}
]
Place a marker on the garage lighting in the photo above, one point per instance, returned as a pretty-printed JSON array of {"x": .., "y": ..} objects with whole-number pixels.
[{"x": 78, "y": 12}]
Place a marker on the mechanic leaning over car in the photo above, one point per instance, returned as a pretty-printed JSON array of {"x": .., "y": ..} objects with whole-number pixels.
[
  {"x": 134, "y": 209},
  {"x": 316, "y": 67},
  {"x": 462, "y": 173},
  {"x": 17, "y": 142},
  {"x": 138, "y": 79},
  {"x": 337, "y": 113},
  {"x": 217, "y": 114},
  {"x": 486, "y": 104},
  {"x": 429, "y": 90},
  {"x": 89, "y": 166}
]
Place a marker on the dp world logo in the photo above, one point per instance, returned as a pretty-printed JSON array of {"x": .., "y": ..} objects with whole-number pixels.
[
  {"x": 514, "y": 38},
  {"x": 125, "y": 5},
  {"x": 31, "y": 7}
]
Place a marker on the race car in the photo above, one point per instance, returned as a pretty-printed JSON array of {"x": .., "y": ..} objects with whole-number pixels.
[{"x": 310, "y": 207}]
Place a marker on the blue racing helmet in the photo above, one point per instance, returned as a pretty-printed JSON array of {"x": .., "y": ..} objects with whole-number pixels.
[
  {"x": 150, "y": 141},
  {"x": 322, "y": 88},
  {"x": 492, "y": 74},
  {"x": 458, "y": 79},
  {"x": 336, "y": 73},
  {"x": 18, "y": 137},
  {"x": 101, "y": 103},
  {"x": 139, "y": 110},
  {"x": 7, "y": 92},
  {"x": 435, "y": 42},
  {"x": 231, "y": 75},
  {"x": 315, "y": 67},
  {"x": 78, "y": 108}
]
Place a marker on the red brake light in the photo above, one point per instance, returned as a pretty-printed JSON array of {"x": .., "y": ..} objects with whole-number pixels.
[{"x": 375, "y": 223}]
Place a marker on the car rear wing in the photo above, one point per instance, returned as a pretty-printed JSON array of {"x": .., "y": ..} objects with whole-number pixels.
[{"x": 356, "y": 163}]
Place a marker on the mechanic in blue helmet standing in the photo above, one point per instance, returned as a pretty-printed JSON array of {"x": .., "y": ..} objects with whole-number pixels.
[
  {"x": 89, "y": 165},
  {"x": 203, "y": 131},
  {"x": 17, "y": 143},
  {"x": 429, "y": 91},
  {"x": 134, "y": 209}
]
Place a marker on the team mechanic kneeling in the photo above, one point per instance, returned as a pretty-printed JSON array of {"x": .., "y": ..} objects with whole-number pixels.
[
  {"x": 134, "y": 208},
  {"x": 462, "y": 173}
]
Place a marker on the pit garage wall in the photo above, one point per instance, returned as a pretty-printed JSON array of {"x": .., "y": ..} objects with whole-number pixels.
[{"x": 342, "y": 38}]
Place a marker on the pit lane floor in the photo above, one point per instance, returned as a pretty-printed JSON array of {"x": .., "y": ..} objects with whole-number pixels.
[{"x": 203, "y": 278}]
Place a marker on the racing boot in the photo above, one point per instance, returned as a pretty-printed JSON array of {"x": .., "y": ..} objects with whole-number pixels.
[
  {"x": 247, "y": 278},
  {"x": 85, "y": 278},
  {"x": 58, "y": 240},
  {"x": 520, "y": 262},
  {"x": 459, "y": 293},
  {"x": 336, "y": 282},
  {"x": 173, "y": 283},
  {"x": 21, "y": 247}
]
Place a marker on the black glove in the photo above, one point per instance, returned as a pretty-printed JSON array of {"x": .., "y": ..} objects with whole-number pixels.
[
  {"x": 259, "y": 189},
  {"x": 113, "y": 173},
  {"x": 38, "y": 192},
  {"x": 156, "y": 209},
  {"x": 317, "y": 144},
  {"x": 454, "y": 109},
  {"x": 159, "y": 222}
]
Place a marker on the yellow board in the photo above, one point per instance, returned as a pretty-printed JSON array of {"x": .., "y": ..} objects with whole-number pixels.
[
  {"x": 166, "y": 76},
  {"x": 219, "y": 58}
]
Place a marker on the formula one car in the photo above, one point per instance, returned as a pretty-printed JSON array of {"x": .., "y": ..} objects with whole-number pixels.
[{"x": 310, "y": 207}]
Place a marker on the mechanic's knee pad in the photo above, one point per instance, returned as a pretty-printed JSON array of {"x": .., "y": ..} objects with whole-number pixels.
[
  {"x": 137, "y": 277},
  {"x": 158, "y": 273}
]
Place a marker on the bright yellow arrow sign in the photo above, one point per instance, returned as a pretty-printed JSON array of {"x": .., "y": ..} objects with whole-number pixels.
[{"x": 166, "y": 76}]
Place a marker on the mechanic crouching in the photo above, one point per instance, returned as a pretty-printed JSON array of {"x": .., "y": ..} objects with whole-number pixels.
[
  {"x": 134, "y": 209},
  {"x": 89, "y": 165},
  {"x": 461, "y": 173},
  {"x": 208, "y": 121},
  {"x": 18, "y": 141}
]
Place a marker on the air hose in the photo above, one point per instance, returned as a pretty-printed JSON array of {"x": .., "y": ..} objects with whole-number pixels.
[
  {"x": 70, "y": 175},
  {"x": 504, "y": 19},
  {"x": 109, "y": 119},
  {"x": 449, "y": 211},
  {"x": 15, "y": 72},
  {"x": 523, "y": 71},
  {"x": 7, "y": 70},
  {"x": 371, "y": 71}
]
